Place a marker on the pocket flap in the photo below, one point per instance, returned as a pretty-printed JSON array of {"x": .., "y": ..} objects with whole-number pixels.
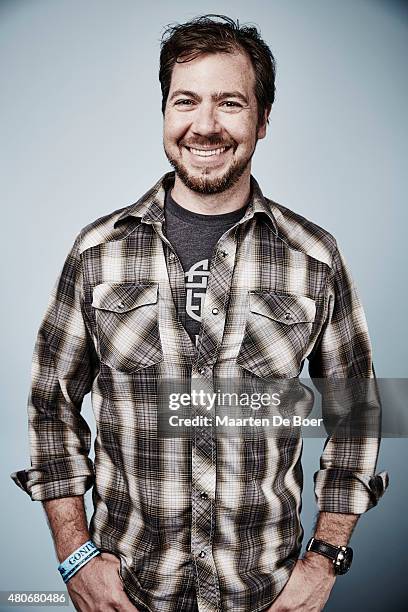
[
  {"x": 287, "y": 309},
  {"x": 122, "y": 297}
]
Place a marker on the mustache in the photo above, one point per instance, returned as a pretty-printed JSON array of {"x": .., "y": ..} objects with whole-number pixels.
[{"x": 206, "y": 142}]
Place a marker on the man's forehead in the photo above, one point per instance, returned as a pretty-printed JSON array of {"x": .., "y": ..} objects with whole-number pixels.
[{"x": 223, "y": 71}]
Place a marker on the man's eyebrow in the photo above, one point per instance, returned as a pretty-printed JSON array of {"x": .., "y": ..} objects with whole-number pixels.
[
  {"x": 184, "y": 92},
  {"x": 223, "y": 95}
]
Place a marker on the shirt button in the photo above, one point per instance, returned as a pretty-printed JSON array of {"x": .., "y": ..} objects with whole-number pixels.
[
  {"x": 204, "y": 495},
  {"x": 215, "y": 311},
  {"x": 120, "y": 305},
  {"x": 201, "y": 370},
  {"x": 202, "y": 554},
  {"x": 288, "y": 315},
  {"x": 172, "y": 257},
  {"x": 224, "y": 253}
]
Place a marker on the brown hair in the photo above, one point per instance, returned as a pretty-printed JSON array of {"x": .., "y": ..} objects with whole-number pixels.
[{"x": 218, "y": 34}]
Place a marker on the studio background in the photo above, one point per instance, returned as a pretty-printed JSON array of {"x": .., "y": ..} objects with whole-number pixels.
[{"x": 81, "y": 134}]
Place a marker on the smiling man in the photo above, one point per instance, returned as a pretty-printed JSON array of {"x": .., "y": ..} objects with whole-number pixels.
[{"x": 202, "y": 279}]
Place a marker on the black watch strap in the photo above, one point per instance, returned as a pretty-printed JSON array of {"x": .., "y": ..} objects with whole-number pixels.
[
  {"x": 341, "y": 556},
  {"x": 324, "y": 548}
]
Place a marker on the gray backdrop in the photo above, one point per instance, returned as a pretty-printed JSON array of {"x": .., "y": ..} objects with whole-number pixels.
[{"x": 81, "y": 134}]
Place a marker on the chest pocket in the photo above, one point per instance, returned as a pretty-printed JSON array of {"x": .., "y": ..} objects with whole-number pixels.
[
  {"x": 127, "y": 325},
  {"x": 277, "y": 334}
]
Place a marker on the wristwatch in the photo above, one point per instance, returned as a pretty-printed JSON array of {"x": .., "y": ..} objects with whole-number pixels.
[{"x": 341, "y": 556}]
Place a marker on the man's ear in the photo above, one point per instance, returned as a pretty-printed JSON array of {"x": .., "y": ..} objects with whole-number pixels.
[{"x": 265, "y": 120}]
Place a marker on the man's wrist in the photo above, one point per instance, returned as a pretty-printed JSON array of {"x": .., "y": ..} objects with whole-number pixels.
[
  {"x": 79, "y": 557},
  {"x": 320, "y": 563}
]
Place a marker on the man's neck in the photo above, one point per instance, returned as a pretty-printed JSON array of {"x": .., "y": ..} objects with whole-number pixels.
[{"x": 213, "y": 204}]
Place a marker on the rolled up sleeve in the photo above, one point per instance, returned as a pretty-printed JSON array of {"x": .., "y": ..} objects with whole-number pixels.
[
  {"x": 346, "y": 481},
  {"x": 64, "y": 366}
]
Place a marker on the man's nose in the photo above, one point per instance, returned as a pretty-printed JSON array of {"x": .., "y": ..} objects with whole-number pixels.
[{"x": 205, "y": 121}]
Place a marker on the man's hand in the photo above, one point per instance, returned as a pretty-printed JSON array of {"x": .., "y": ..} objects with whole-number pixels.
[
  {"x": 308, "y": 587},
  {"x": 97, "y": 586}
]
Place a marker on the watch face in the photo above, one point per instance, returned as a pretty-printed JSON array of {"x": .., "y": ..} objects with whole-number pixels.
[{"x": 343, "y": 560}]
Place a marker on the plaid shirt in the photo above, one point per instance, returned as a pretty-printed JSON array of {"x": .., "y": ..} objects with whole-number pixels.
[{"x": 206, "y": 520}]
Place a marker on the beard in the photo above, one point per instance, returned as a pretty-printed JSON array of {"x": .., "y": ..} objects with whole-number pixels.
[{"x": 204, "y": 184}]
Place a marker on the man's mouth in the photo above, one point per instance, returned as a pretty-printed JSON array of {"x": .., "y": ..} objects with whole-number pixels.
[{"x": 207, "y": 152}]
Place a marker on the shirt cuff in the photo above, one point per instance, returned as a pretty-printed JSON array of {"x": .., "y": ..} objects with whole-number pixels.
[
  {"x": 338, "y": 490},
  {"x": 62, "y": 477}
]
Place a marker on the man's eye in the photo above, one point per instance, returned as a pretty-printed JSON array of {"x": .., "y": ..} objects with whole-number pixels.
[
  {"x": 231, "y": 104},
  {"x": 184, "y": 102}
]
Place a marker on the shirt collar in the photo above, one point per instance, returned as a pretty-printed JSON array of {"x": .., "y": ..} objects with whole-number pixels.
[{"x": 150, "y": 207}]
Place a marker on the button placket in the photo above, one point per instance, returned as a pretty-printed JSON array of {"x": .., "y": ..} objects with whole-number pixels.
[
  {"x": 204, "y": 439},
  {"x": 217, "y": 294},
  {"x": 203, "y": 480}
]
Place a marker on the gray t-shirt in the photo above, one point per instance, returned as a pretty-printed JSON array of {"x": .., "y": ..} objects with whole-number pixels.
[{"x": 193, "y": 237}]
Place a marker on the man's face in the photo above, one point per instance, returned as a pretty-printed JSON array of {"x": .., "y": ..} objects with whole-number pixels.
[{"x": 211, "y": 121}]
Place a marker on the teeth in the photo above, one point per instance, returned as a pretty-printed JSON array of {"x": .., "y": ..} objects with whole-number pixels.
[{"x": 206, "y": 152}]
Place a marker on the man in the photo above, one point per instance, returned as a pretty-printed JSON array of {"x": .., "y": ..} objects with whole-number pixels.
[{"x": 202, "y": 279}]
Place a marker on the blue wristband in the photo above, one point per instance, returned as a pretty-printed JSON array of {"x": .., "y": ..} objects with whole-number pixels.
[{"x": 78, "y": 559}]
